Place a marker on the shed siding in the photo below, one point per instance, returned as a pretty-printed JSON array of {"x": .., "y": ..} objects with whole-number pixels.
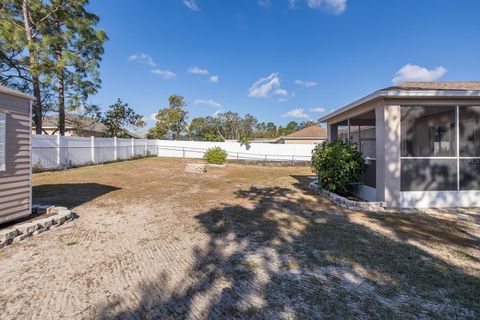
[{"x": 15, "y": 181}]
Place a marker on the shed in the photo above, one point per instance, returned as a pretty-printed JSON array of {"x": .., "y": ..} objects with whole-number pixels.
[{"x": 15, "y": 154}]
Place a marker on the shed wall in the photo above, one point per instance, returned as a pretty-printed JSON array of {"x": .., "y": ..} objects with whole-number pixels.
[{"x": 15, "y": 181}]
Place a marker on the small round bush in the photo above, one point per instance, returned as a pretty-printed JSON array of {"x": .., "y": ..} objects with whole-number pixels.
[
  {"x": 337, "y": 164},
  {"x": 215, "y": 155}
]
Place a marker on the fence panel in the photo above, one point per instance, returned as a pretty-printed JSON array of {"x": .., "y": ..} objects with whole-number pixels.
[
  {"x": 235, "y": 151},
  {"x": 45, "y": 152},
  {"x": 104, "y": 150},
  {"x": 54, "y": 152},
  {"x": 124, "y": 149}
]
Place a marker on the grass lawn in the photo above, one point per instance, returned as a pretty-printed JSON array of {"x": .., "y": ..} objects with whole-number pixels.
[{"x": 238, "y": 242}]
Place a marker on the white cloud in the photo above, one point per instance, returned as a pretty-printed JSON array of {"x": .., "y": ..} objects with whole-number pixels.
[
  {"x": 282, "y": 100},
  {"x": 264, "y": 87},
  {"x": 211, "y": 103},
  {"x": 265, "y": 3},
  {"x": 306, "y": 84},
  {"x": 197, "y": 70},
  {"x": 337, "y": 6},
  {"x": 213, "y": 78},
  {"x": 296, "y": 113},
  {"x": 191, "y": 4},
  {"x": 166, "y": 74},
  {"x": 281, "y": 92},
  {"x": 411, "y": 72},
  {"x": 292, "y": 4},
  {"x": 142, "y": 58},
  {"x": 318, "y": 110},
  {"x": 153, "y": 117}
]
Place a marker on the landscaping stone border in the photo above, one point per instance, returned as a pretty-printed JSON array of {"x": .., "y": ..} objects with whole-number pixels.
[
  {"x": 216, "y": 165},
  {"x": 196, "y": 168},
  {"x": 347, "y": 203},
  {"x": 21, "y": 231}
]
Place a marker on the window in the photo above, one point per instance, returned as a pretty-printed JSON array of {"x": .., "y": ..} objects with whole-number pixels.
[
  {"x": 428, "y": 131},
  {"x": 469, "y": 131},
  {"x": 469, "y": 144},
  {"x": 432, "y": 158},
  {"x": 2, "y": 141},
  {"x": 428, "y": 175}
]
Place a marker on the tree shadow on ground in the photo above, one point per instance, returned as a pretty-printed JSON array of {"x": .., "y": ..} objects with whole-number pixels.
[
  {"x": 69, "y": 195},
  {"x": 285, "y": 255}
]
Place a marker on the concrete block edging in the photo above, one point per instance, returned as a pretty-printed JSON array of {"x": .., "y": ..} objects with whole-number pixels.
[
  {"x": 347, "y": 203},
  {"x": 22, "y": 231}
]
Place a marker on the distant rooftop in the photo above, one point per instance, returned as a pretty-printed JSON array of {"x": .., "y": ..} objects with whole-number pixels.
[
  {"x": 309, "y": 132},
  {"x": 73, "y": 121}
]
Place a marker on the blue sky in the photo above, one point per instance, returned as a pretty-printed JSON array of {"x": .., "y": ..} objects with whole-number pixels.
[{"x": 279, "y": 60}]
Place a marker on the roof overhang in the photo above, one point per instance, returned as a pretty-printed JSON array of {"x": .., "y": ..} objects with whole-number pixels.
[
  {"x": 403, "y": 94},
  {"x": 16, "y": 93}
]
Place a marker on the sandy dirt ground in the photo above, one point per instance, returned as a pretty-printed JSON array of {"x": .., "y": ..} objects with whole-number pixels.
[{"x": 151, "y": 242}]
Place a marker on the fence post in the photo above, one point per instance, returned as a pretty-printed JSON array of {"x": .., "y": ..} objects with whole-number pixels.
[
  {"x": 115, "y": 148},
  {"x": 146, "y": 148},
  {"x": 133, "y": 148},
  {"x": 58, "y": 151},
  {"x": 293, "y": 160},
  {"x": 183, "y": 152},
  {"x": 93, "y": 148},
  {"x": 237, "y": 156}
]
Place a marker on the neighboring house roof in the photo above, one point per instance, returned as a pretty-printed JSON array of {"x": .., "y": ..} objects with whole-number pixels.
[
  {"x": 459, "y": 89},
  {"x": 138, "y": 134},
  {"x": 74, "y": 122},
  {"x": 309, "y": 133}
]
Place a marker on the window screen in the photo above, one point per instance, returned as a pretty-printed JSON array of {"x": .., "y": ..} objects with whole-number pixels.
[
  {"x": 2, "y": 141},
  {"x": 429, "y": 175},
  {"x": 428, "y": 131},
  {"x": 470, "y": 131}
]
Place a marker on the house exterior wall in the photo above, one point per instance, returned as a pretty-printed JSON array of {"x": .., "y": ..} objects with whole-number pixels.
[
  {"x": 387, "y": 131},
  {"x": 301, "y": 141},
  {"x": 71, "y": 132},
  {"x": 15, "y": 181}
]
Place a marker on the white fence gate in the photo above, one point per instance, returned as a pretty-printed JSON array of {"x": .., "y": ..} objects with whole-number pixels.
[{"x": 56, "y": 152}]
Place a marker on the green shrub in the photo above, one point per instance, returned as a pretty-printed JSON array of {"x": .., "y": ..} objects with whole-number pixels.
[
  {"x": 337, "y": 164},
  {"x": 215, "y": 155}
]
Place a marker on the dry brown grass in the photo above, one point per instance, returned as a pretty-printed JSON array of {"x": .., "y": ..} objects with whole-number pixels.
[{"x": 241, "y": 241}]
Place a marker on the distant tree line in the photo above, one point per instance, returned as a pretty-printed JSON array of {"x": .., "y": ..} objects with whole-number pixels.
[{"x": 172, "y": 123}]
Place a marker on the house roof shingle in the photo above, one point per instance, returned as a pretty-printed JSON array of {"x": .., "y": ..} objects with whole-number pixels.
[
  {"x": 453, "y": 85},
  {"x": 313, "y": 131},
  {"x": 74, "y": 122},
  {"x": 458, "y": 89}
]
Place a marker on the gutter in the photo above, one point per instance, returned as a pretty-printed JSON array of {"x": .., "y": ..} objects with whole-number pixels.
[{"x": 402, "y": 94}]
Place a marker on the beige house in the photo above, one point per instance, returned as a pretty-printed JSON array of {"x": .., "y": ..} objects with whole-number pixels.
[
  {"x": 426, "y": 143},
  {"x": 15, "y": 153},
  {"x": 309, "y": 135},
  {"x": 75, "y": 126}
]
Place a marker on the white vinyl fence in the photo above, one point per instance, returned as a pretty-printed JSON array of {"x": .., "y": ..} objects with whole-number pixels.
[
  {"x": 255, "y": 152},
  {"x": 56, "y": 152}
]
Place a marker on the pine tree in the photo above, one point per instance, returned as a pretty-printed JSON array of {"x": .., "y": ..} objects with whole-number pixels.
[
  {"x": 22, "y": 50},
  {"x": 76, "y": 47}
]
